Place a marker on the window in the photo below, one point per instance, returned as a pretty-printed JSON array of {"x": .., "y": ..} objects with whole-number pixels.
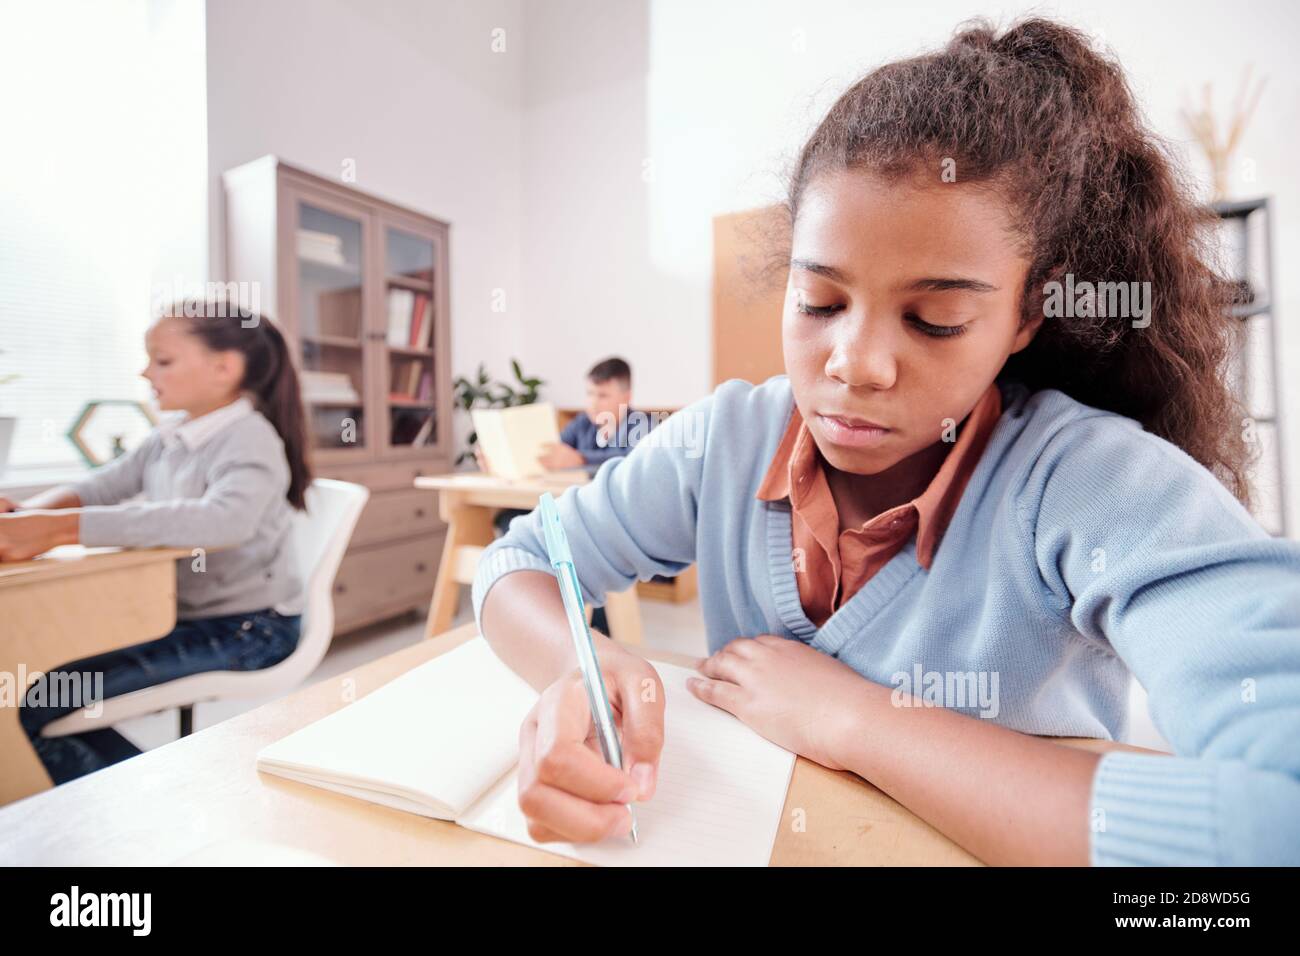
[{"x": 103, "y": 203}]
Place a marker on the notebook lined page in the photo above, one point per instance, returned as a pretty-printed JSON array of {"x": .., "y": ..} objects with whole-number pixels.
[{"x": 718, "y": 802}]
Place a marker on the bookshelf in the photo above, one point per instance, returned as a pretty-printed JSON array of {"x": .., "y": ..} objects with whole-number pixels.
[
  {"x": 1246, "y": 246},
  {"x": 359, "y": 285}
]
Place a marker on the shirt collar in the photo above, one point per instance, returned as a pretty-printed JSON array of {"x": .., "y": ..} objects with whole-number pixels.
[
  {"x": 797, "y": 452},
  {"x": 193, "y": 432}
]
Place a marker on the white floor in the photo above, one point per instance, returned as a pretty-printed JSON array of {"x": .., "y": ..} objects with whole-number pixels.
[{"x": 670, "y": 627}]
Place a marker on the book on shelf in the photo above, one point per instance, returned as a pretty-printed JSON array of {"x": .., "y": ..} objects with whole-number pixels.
[
  {"x": 423, "y": 436},
  {"x": 421, "y": 322},
  {"x": 410, "y": 319},
  {"x": 322, "y": 247},
  {"x": 338, "y": 313},
  {"x": 410, "y": 381},
  {"x": 401, "y": 305},
  {"x": 317, "y": 386}
]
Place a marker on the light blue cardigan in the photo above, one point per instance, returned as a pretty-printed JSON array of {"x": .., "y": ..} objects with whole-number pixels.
[{"x": 1083, "y": 549}]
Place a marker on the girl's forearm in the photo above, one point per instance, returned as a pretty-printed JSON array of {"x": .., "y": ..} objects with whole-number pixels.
[
  {"x": 53, "y": 499},
  {"x": 524, "y": 620},
  {"x": 1008, "y": 798}
]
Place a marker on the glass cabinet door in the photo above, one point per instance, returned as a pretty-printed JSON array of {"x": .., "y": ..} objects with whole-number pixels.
[
  {"x": 329, "y": 257},
  {"x": 410, "y": 325}
]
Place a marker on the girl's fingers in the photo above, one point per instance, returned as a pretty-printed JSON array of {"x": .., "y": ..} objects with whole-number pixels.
[
  {"x": 641, "y": 695},
  {"x": 726, "y": 667},
  {"x": 574, "y": 768},
  {"x": 742, "y": 647},
  {"x": 571, "y": 819},
  {"x": 560, "y": 756},
  {"x": 554, "y": 816},
  {"x": 542, "y": 833},
  {"x": 719, "y": 693}
]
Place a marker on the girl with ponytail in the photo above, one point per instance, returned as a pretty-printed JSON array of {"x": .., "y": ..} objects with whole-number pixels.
[
  {"x": 222, "y": 480},
  {"x": 1001, "y": 477}
]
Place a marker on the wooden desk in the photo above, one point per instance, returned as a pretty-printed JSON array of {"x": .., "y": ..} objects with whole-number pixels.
[
  {"x": 467, "y": 502},
  {"x": 203, "y": 792},
  {"x": 71, "y": 603}
]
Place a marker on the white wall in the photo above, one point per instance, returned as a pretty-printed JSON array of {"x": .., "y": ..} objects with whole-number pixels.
[
  {"x": 729, "y": 92},
  {"x": 581, "y": 168},
  {"x": 413, "y": 94}
]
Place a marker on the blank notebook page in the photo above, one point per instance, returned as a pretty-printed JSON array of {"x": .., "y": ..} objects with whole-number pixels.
[
  {"x": 718, "y": 802},
  {"x": 444, "y": 731}
]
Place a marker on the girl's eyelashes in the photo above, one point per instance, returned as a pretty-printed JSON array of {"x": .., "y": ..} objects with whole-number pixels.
[
  {"x": 817, "y": 310},
  {"x": 928, "y": 328},
  {"x": 938, "y": 331}
]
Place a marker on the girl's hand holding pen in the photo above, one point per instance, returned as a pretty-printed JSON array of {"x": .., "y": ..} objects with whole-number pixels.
[{"x": 567, "y": 791}]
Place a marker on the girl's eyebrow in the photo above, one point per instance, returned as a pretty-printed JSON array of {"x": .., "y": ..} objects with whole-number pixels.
[
  {"x": 830, "y": 272},
  {"x": 945, "y": 284},
  {"x": 953, "y": 284}
]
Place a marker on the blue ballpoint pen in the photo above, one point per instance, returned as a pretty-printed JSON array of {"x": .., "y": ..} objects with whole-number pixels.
[{"x": 557, "y": 548}]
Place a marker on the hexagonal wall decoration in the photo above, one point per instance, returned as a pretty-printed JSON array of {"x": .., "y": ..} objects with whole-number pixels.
[{"x": 108, "y": 428}]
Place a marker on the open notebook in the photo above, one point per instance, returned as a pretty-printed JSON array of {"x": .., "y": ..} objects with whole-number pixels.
[{"x": 442, "y": 741}]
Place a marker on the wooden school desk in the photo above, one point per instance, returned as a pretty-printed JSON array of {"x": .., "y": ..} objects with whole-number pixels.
[
  {"x": 467, "y": 502},
  {"x": 201, "y": 793},
  {"x": 67, "y": 604}
]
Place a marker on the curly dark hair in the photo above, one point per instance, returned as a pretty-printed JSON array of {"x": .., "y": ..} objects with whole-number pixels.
[{"x": 1037, "y": 113}]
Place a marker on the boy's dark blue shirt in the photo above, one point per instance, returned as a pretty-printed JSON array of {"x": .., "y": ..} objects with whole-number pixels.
[{"x": 583, "y": 434}]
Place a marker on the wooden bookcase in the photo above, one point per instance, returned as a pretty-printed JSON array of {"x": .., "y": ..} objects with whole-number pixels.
[
  {"x": 341, "y": 272},
  {"x": 1246, "y": 243}
]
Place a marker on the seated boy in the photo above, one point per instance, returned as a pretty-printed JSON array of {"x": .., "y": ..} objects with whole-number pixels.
[{"x": 608, "y": 428}]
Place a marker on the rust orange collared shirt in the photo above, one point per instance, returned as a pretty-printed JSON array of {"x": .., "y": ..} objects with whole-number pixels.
[{"x": 832, "y": 565}]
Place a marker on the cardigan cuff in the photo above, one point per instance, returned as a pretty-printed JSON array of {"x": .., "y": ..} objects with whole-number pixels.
[
  {"x": 110, "y": 526},
  {"x": 495, "y": 564},
  {"x": 1147, "y": 810},
  {"x": 88, "y": 492}
]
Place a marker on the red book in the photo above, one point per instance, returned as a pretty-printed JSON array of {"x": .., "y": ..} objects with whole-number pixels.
[{"x": 417, "y": 320}]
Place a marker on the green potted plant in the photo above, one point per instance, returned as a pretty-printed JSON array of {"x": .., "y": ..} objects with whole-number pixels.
[{"x": 480, "y": 392}]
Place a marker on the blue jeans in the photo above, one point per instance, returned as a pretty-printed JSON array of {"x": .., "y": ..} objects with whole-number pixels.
[{"x": 237, "y": 642}]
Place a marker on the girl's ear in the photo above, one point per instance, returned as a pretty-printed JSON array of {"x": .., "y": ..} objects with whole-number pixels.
[
  {"x": 1027, "y": 332},
  {"x": 229, "y": 366},
  {"x": 1034, "y": 307}
]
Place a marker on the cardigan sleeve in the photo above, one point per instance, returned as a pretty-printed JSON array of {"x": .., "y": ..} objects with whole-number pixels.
[
  {"x": 636, "y": 518},
  {"x": 1152, "y": 559},
  {"x": 243, "y": 481},
  {"x": 119, "y": 479}
]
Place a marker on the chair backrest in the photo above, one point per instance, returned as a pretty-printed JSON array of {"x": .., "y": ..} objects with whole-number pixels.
[{"x": 320, "y": 537}]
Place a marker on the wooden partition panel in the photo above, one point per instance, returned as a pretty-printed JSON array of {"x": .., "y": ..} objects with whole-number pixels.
[{"x": 750, "y": 249}]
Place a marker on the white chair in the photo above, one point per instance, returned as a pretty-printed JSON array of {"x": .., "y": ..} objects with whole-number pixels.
[{"x": 320, "y": 536}]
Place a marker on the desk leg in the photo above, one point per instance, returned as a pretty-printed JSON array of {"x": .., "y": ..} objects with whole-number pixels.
[
  {"x": 467, "y": 526},
  {"x": 623, "y": 610}
]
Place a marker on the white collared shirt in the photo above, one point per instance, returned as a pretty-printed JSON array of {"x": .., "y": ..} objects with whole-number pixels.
[{"x": 193, "y": 432}]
